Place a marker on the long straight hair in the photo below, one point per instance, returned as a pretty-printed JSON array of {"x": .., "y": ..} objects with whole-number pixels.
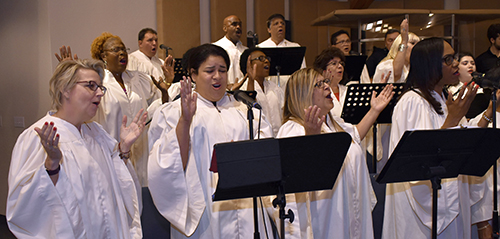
[
  {"x": 298, "y": 96},
  {"x": 426, "y": 69}
]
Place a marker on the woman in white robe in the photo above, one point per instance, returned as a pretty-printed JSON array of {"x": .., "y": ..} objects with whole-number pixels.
[
  {"x": 180, "y": 179},
  {"x": 255, "y": 65},
  {"x": 345, "y": 210},
  {"x": 408, "y": 205},
  {"x": 128, "y": 92},
  {"x": 68, "y": 178},
  {"x": 331, "y": 61}
]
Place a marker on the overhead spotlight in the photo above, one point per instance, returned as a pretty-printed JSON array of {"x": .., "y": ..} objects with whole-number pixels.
[
  {"x": 377, "y": 29},
  {"x": 431, "y": 14},
  {"x": 386, "y": 25},
  {"x": 390, "y": 27},
  {"x": 379, "y": 22},
  {"x": 384, "y": 30},
  {"x": 429, "y": 23},
  {"x": 369, "y": 26},
  {"x": 428, "y": 26}
]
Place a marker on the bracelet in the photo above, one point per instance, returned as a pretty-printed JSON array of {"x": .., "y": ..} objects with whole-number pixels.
[
  {"x": 402, "y": 47},
  {"x": 122, "y": 155},
  {"x": 53, "y": 172},
  {"x": 486, "y": 118},
  {"x": 482, "y": 228}
]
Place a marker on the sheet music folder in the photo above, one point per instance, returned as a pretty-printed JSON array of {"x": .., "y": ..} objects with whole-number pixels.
[
  {"x": 357, "y": 102},
  {"x": 470, "y": 151},
  {"x": 255, "y": 168},
  {"x": 288, "y": 58}
]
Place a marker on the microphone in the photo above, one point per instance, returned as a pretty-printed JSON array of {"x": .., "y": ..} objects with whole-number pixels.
[
  {"x": 166, "y": 48},
  {"x": 490, "y": 79},
  {"x": 244, "y": 98}
]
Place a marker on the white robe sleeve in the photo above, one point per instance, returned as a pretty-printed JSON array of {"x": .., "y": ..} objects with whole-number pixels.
[
  {"x": 178, "y": 195},
  {"x": 34, "y": 205}
]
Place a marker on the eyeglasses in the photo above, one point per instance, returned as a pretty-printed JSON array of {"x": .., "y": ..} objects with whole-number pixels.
[
  {"x": 93, "y": 86},
  {"x": 118, "y": 49},
  {"x": 336, "y": 64},
  {"x": 448, "y": 59},
  {"x": 262, "y": 58},
  {"x": 343, "y": 42},
  {"x": 320, "y": 83}
]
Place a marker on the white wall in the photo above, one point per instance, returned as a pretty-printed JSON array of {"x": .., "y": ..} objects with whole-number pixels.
[{"x": 31, "y": 32}]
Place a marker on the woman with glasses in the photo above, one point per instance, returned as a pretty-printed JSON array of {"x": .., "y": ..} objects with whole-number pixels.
[
  {"x": 397, "y": 61},
  {"x": 345, "y": 210},
  {"x": 68, "y": 177},
  {"x": 254, "y": 64},
  {"x": 129, "y": 92},
  {"x": 331, "y": 62},
  {"x": 423, "y": 105}
]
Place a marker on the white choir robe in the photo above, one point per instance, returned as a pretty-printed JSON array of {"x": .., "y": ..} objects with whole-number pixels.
[
  {"x": 343, "y": 212},
  {"x": 116, "y": 103},
  {"x": 234, "y": 52},
  {"x": 184, "y": 197},
  {"x": 338, "y": 104},
  {"x": 408, "y": 205},
  {"x": 95, "y": 196},
  {"x": 271, "y": 100},
  {"x": 138, "y": 61}
]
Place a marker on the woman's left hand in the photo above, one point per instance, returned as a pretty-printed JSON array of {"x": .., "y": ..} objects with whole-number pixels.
[
  {"x": 168, "y": 69},
  {"x": 129, "y": 134},
  {"x": 379, "y": 102},
  {"x": 312, "y": 120}
]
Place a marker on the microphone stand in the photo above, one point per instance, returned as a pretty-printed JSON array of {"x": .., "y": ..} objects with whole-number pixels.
[
  {"x": 495, "y": 196},
  {"x": 256, "y": 234}
]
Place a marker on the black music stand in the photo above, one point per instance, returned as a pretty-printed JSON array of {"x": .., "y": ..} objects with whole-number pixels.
[
  {"x": 357, "y": 104},
  {"x": 178, "y": 71},
  {"x": 284, "y": 60},
  {"x": 278, "y": 166},
  {"x": 431, "y": 155},
  {"x": 353, "y": 67}
]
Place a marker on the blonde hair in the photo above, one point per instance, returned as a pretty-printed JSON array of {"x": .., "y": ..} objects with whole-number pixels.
[
  {"x": 97, "y": 47},
  {"x": 299, "y": 95},
  {"x": 395, "y": 45},
  {"x": 65, "y": 77}
]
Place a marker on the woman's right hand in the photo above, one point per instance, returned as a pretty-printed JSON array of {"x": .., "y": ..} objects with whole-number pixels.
[
  {"x": 404, "y": 31},
  {"x": 49, "y": 138},
  {"x": 65, "y": 54},
  {"x": 188, "y": 100},
  {"x": 458, "y": 108},
  {"x": 312, "y": 120}
]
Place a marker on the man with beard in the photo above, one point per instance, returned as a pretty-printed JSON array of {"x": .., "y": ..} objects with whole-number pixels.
[
  {"x": 491, "y": 57},
  {"x": 233, "y": 46}
]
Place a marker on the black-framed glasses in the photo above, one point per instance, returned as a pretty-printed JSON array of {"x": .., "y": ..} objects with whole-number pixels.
[
  {"x": 336, "y": 63},
  {"x": 448, "y": 59},
  {"x": 320, "y": 83},
  {"x": 118, "y": 49},
  {"x": 93, "y": 86},
  {"x": 343, "y": 42},
  {"x": 262, "y": 58}
]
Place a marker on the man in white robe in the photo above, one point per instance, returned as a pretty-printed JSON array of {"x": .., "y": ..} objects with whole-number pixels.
[
  {"x": 184, "y": 197},
  {"x": 233, "y": 46},
  {"x": 95, "y": 195},
  {"x": 276, "y": 28}
]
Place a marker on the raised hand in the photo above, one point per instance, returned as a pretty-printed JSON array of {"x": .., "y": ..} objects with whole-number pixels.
[
  {"x": 65, "y": 54},
  {"x": 168, "y": 69},
  {"x": 129, "y": 134},
  {"x": 163, "y": 86},
  {"x": 385, "y": 78},
  {"x": 49, "y": 138},
  {"x": 188, "y": 100},
  {"x": 458, "y": 108},
  {"x": 312, "y": 120},
  {"x": 378, "y": 103},
  {"x": 404, "y": 30}
]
